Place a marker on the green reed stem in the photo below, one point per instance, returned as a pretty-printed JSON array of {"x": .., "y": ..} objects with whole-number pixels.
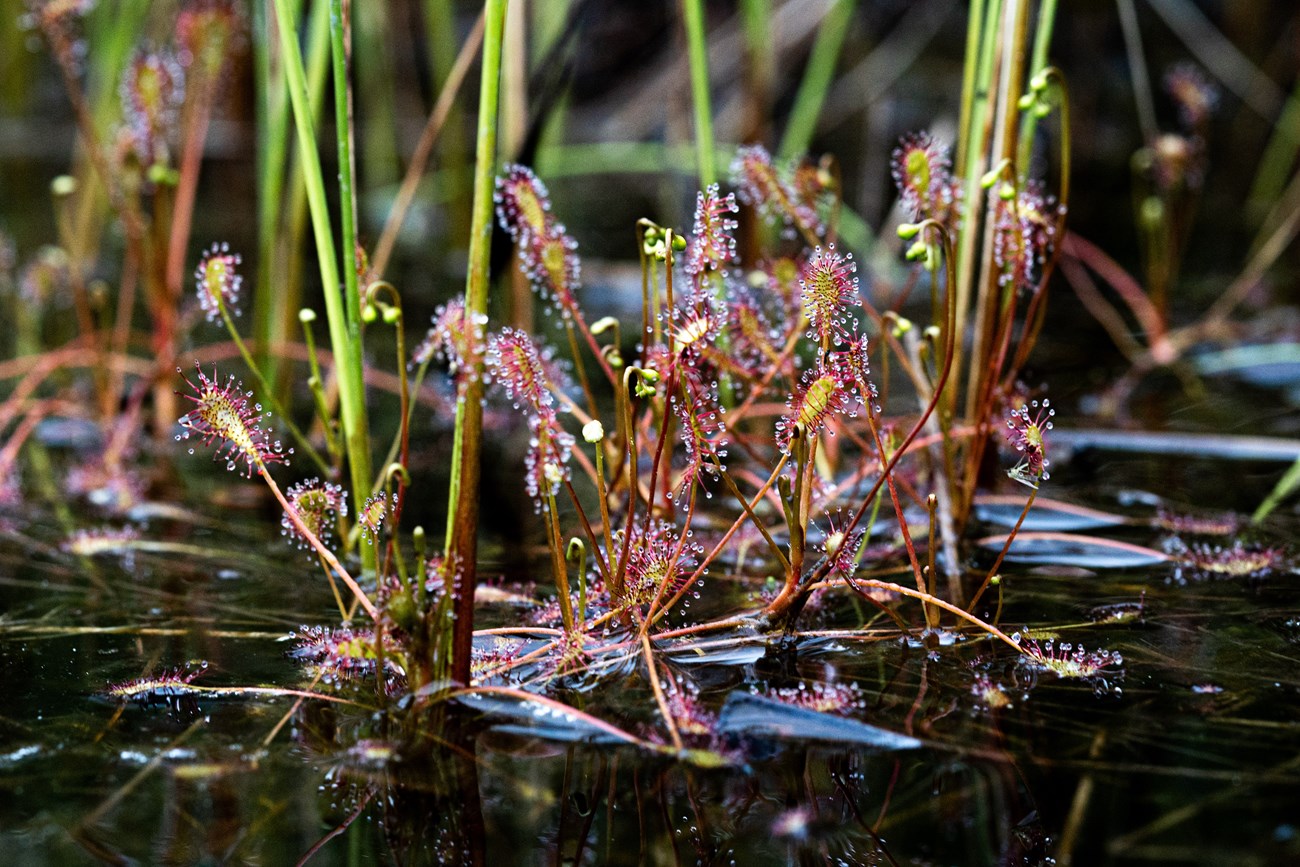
[
  {"x": 463, "y": 496},
  {"x": 1278, "y": 157},
  {"x": 1285, "y": 487},
  {"x": 315, "y": 382},
  {"x": 1037, "y": 63},
  {"x": 344, "y": 324},
  {"x": 341, "y": 55},
  {"x": 698, "y": 50},
  {"x": 811, "y": 96},
  {"x": 972, "y": 157},
  {"x": 756, "y": 16},
  {"x": 970, "y": 71},
  {"x": 276, "y": 293}
]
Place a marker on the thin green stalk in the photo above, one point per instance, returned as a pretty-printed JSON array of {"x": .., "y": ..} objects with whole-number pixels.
[
  {"x": 277, "y": 293},
  {"x": 345, "y": 333},
  {"x": 816, "y": 80},
  {"x": 1037, "y": 63},
  {"x": 757, "y": 18},
  {"x": 989, "y": 293},
  {"x": 315, "y": 382},
  {"x": 1278, "y": 157},
  {"x": 970, "y": 70},
  {"x": 341, "y": 55},
  {"x": 972, "y": 160},
  {"x": 463, "y": 496},
  {"x": 698, "y": 50},
  {"x": 1285, "y": 486},
  {"x": 602, "y": 492},
  {"x": 272, "y": 117},
  {"x": 559, "y": 569}
]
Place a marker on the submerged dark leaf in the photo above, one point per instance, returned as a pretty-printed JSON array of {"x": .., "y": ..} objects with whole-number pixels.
[
  {"x": 530, "y": 719},
  {"x": 749, "y": 715},
  {"x": 1268, "y": 365}
]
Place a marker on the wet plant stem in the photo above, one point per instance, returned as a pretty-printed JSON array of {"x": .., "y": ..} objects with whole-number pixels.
[
  {"x": 888, "y": 476},
  {"x": 325, "y": 553},
  {"x": 932, "y": 507},
  {"x": 463, "y": 496},
  {"x": 558, "y": 568},
  {"x": 726, "y": 537},
  {"x": 653, "y": 676},
  {"x": 315, "y": 383},
  {"x": 858, "y": 584},
  {"x": 664, "y": 584},
  {"x": 602, "y": 494},
  {"x": 744, "y": 504},
  {"x": 391, "y": 312},
  {"x": 629, "y": 438},
  {"x": 1006, "y": 546}
]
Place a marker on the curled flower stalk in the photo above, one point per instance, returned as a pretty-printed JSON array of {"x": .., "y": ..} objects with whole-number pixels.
[{"x": 222, "y": 415}]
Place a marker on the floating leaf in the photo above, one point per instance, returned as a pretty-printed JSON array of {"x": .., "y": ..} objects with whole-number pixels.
[
  {"x": 1063, "y": 549},
  {"x": 1046, "y": 515},
  {"x": 741, "y": 650},
  {"x": 1268, "y": 365},
  {"x": 539, "y": 717},
  {"x": 748, "y": 715}
]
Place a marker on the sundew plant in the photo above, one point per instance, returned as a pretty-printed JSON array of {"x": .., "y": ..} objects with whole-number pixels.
[
  {"x": 768, "y": 418},
  {"x": 777, "y": 442}
]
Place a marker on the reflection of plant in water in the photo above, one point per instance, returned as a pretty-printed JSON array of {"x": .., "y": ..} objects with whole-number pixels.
[
  {"x": 1100, "y": 667},
  {"x": 1238, "y": 560},
  {"x": 832, "y": 698}
]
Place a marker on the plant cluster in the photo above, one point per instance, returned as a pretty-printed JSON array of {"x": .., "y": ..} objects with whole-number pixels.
[{"x": 777, "y": 416}]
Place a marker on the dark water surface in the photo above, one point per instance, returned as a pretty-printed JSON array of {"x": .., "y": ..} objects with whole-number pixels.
[{"x": 1189, "y": 753}]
